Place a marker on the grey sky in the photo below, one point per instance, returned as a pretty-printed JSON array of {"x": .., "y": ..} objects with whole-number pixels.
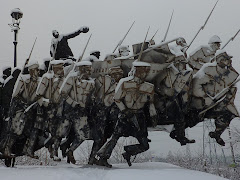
[{"x": 109, "y": 20}]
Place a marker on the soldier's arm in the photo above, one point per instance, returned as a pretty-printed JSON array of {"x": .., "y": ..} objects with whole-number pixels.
[
  {"x": 119, "y": 94},
  {"x": 76, "y": 33},
  {"x": 65, "y": 91},
  {"x": 42, "y": 86},
  {"x": 19, "y": 88}
]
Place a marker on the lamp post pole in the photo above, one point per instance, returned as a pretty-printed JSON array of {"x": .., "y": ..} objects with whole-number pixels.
[
  {"x": 16, "y": 15},
  {"x": 15, "y": 47}
]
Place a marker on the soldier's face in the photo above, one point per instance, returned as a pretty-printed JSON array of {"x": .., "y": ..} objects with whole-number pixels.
[
  {"x": 117, "y": 76},
  {"x": 86, "y": 70},
  {"x": 55, "y": 34},
  {"x": 58, "y": 70},
  {"x": 34, "y": 72},
  {"x": 142, "y": 72},
  {"x": 216, "y": 46}
]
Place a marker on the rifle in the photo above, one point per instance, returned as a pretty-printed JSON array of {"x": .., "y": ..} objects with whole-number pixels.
[
  {"x": 154, "y": 47},
  {"x": 154, "y": 35},
  {"x": 202, "y": 27},
  {"x": 27, "y": 60},
  {"x": 140, "y": 55},
  {"x": 231, "y": 39},
  {"x": 168, "y": 27},
  {"x": 220, "y": 96},
  {"x": 121, "y": 41}
]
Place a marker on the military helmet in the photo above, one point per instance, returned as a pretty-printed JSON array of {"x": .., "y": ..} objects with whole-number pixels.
[
  {"x": 32, "y": 65},
  {"x": 214, "y": 39},
  {"x": 95, "y": 53},
  {"x": 57, "y": 62},
  {"x": 181, "y": 41},
  {"x": 83, "y": 63}
]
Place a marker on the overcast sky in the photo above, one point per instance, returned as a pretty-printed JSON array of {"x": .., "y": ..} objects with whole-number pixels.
[{"x": 109, "y": 20}]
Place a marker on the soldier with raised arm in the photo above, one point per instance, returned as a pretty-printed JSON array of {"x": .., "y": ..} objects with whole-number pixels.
[
  {"x": 78, "y": 90},
  {"x": 59, "y": 47},
  {"x": 23, "y": 96},
  {"x": 131, "y": 96},
  {"x": 48, "y": 89}
]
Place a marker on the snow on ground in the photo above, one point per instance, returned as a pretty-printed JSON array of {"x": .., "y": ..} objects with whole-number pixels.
[{"x": 139, "y": 171}]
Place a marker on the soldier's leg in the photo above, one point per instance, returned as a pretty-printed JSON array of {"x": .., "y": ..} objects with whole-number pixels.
[
  {"x": 30, "y": 144},
  {"x": 11, "y": 139},
  {"x": 221, "y": 122},
  {"x": 66, "y": 144},
  {"x": 135, "y": 149},
  {"x": 106, "y": 150},
  {"x": 82, "y": 133}
]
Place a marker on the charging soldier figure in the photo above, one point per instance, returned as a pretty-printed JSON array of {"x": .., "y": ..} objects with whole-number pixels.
[
  {"x": 131, "y": 96},
  {"x": 52, "y": 113},
  {"x": 78, "y": 90},
  {"x": 24, "y": 95},
  {"x": 105, "y": 111},
  {"x": 59, "y": 47},
  {"x": 173, "y": 86},
  {"x": 204, "y": 54},
  {"x": 207, "y": 89}
]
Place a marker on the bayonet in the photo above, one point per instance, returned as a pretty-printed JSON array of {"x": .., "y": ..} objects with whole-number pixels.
[
  {"x": 231, "y": 39},
  {"x": 154, "y": 35},
  {"x": 202, "y": 27},
  {"x": 168, "y": 27},
  {"x": 121, "y": 41},
  {"x": 140, "y": 55}
]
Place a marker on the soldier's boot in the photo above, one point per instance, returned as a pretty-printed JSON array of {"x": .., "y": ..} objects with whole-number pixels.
[
  {"x": 63, "y": 147},
  {"x": 216, "y": 136},
  {"x": 50, "y": 150},
  {"x": 127, "y": 157},
  {"x": 96, "y": 146},
  {"x": 57, "y": 142},
  {"x": 181, "y": 138},
  {"x": 8, "y": 149},
  {"x": 71, "y": 157},
  {"x": 29, "y": 145},
  {"x": 103, "y": 162}
]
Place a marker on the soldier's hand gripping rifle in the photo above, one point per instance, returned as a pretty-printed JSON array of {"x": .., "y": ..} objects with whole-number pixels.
[
  {"x": 202, "y": 27},
  {"x": 231, "y": 39},
  {"x": 168, "y": 27},
  {"x": 219, "y": 97},
  {"x": 121, "y": 41}
]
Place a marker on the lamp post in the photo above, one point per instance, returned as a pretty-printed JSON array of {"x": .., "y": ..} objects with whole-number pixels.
[{"x": 16, "y": 17}]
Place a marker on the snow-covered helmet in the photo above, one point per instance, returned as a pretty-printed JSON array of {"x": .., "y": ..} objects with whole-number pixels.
[
  {"x": 95, "y": 53},
  {"x": 123, "y": 50},
  {"x": 181, "y": 41},
  {"x": 214, "y": 39},
  {"x": 32, "y": 65}
]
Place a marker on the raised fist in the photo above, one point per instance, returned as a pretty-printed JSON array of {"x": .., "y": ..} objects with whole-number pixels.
[{"x": 84, "y": 29}]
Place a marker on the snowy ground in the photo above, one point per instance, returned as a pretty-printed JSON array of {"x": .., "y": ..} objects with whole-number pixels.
[{"x": 139, "y": 171}]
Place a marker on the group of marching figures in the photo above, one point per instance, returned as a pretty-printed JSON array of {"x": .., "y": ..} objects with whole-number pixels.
[{"x": 159, "y": 86}]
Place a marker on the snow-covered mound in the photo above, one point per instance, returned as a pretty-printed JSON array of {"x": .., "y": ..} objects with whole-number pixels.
[{"x": 139, "y": 171}]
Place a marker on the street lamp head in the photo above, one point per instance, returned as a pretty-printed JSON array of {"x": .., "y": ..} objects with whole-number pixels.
[{"x": 16, "y": 16}]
